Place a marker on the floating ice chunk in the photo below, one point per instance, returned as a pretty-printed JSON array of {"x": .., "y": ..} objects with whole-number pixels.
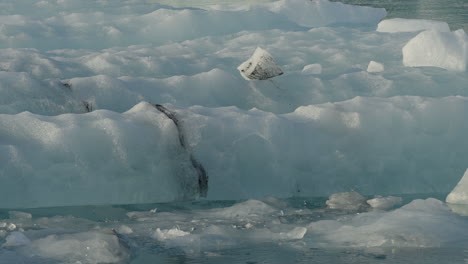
[
  {"x": 248, "y": 208},
  {"x": 260, "y": 66},
  {"x": 297, "y": 233},
  {"x": 384, "y": 203},
  {"x": 87, "y": 247},
  {"x": 123, "y": 229},
  {"x": 421, "y": 223},
  {"x": 347, "y": 201},
  {"x": 409, "y": 25},
  {"x": 447, "y": 50},
  {"x": 169, "y": 234},
  {"x": 312, "y": 69},
  {"x": 459, "y": 195},
  {"x": 375, "y": 67},
  {"x": 11, "y": 227},
  {"x": 145, "y": 214},
  {"x": 15, "y": 239}
]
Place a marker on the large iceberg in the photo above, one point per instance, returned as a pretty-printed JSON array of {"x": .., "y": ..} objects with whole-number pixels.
[{"x": 316, "y": 150}]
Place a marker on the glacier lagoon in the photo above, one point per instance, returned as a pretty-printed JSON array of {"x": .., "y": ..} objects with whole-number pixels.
[{"x": 114, "y": 114}]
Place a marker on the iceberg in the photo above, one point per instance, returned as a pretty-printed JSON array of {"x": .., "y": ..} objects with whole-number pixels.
[{"x": 447, "y": 50}]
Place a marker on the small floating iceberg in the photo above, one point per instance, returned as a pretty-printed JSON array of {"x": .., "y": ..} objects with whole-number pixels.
[{"x": 260, "y": 66}]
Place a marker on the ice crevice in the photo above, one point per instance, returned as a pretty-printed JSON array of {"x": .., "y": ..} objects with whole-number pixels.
[{"x": 201, "y": 172}]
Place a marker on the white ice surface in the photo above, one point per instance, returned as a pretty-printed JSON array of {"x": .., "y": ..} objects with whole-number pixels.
[{"x": 409, "y": 25}]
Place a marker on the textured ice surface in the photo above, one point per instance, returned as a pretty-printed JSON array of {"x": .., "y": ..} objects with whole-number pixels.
[
  {"x": 459, "y": 195},
  {"x": 447, "y": 50},
  {"x": 99, "y": 157},
  {"x": 316, "y": 150},
  {"x": 408, "y": 25}
]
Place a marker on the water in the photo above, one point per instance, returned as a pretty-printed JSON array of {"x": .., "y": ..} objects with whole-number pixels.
[
  {"x": 229, "y": 232},
  {"x": 454, "y": 12}
]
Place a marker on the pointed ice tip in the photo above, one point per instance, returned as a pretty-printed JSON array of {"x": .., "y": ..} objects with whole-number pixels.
[
  {"x": 459, "y": 194},
  {"x": 260, "y": 66}
]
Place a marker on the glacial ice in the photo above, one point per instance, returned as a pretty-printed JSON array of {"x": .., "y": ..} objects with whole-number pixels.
[
  {"x": 447, "y": 50},
  {"x": 459, "y": 195},
  {"x": 245, "y": 153},
  {"x": 409, "y": 25}
]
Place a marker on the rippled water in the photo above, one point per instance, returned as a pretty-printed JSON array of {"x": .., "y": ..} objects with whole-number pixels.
[{"x": 454, "y": 12}]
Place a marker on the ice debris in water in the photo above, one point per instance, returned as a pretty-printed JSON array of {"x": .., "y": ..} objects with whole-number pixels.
[
  {"x": 15, "y": 239},
  {"x": 384, "y": 203},
  {"x": 87, "y": 247},
  {"x": 409, "y": 25},
  {"x": 421, "y": 223},
  {"x": 459, "y": 195},
  {"x": 347, "y": 201},
  {"x": 447, "y": 50},
  {"x": 260, "y": 66},
  {"x": 312, "y": 69},
  {"x": 167, "y": 234},
  {"x": 375, "y": 67}
]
